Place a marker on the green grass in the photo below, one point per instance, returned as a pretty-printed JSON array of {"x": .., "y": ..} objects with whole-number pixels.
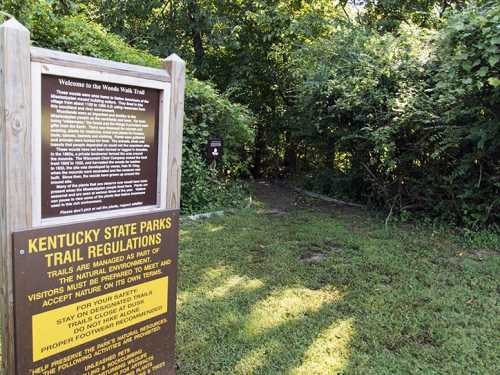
[{"x": 410, "y": 301}]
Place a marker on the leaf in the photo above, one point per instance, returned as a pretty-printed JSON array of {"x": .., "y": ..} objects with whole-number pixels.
[
  {"x": 459, "y": 26},
  {"x": 476, "y": 63},
  {"x": 493, "y": 81},
  {"x": 483, "y": 71},
  {"x": 493, "y": 60}
]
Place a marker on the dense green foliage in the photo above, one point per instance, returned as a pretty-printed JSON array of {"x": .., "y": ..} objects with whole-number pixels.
[
  {"x": 207, "y": 111},
  {"x": 243, "y": 46},
  {"x": 410, "y": 121},
  {"x": 389, "y": 15},
  {"x": 466, "y": 90},
  {"x": 346, "y": 107},
  {"x": 394, "y": 104},
  {"x": 207, "y": 114}
]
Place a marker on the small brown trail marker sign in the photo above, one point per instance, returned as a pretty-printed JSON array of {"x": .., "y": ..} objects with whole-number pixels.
[
  {"x": 214, "y": 149},
  {"x": 90, "y": 166}
]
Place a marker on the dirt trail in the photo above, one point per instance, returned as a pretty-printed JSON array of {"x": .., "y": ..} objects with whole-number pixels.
[
  {"x": 280, "y": 198},
  {"x": 274, "y": 197}
]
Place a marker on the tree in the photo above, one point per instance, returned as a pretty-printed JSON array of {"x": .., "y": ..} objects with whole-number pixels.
[
  {"x": 387, "y": 15},
  {"x": 243, "y": 46}
]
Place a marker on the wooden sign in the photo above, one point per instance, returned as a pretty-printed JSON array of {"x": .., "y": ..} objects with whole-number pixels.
[
  {"x": 90, "y": 149},
  {"x": 101, "y": 141},
  {"x": 97, "y": 297}
]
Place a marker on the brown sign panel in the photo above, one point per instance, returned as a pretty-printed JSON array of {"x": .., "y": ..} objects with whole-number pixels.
[
  {"x": 97, "y": 297},
  {"x": 99, "y": 146},
  {"x": 215, "y": 149}
]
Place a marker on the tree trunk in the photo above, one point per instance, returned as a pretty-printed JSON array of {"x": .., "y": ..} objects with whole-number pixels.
[
  {"x": 331, "y": 155},
  {"x": 290, "y": 155},
  {"x": 196, "y": 36},
  {"x": 260, "y": 145}
]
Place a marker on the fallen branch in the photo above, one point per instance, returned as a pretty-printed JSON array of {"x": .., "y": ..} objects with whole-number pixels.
[
  {"x": 388, "y": 218},
  {"x": 207, "y": 215},
  {"x": 327, "y": 199}
]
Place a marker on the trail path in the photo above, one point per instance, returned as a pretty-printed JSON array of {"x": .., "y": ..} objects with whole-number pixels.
[{"x": 280, "y": 198}]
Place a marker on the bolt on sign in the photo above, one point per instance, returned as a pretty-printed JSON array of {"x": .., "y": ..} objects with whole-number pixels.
[{"x": 90, "y": 155}]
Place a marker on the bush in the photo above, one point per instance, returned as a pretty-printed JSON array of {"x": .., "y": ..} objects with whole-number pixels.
[
  {"x": 352, "y": 87},
  {"x": 409, "y": 122},
  {"x": 210, "y": 114},
  {"x": 207, "y": 111},
  {"x": 467, "y": 94}
]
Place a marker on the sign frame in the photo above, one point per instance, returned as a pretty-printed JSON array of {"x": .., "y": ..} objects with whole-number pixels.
[{"x": 37, "y": 70}]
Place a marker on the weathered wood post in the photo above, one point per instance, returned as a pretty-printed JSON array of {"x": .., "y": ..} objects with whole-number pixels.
[
  {"x": 15, "y": 164},
  {"x": 90, "y": 175},
  {"x": 177, "y": 69}
]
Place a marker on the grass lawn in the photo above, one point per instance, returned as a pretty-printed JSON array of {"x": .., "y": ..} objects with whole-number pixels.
[{"x": 307, "y": 291}]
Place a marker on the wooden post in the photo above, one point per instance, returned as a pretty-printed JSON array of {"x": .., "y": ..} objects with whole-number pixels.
[
  {"x": 177, "y": 70},
  {"x": 15, "y": 165}
]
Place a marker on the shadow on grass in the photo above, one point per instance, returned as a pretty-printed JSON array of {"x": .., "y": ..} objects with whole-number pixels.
[
  {"x": 254, "y": 330},
  {"x": 248, "y": 304}
]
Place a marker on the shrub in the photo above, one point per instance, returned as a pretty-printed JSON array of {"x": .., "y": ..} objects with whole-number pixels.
[
  {"x": 210, "y": 114},
  {"x": 409, "y": 122},
  {"x": 350, "y": 92},
  {"x": 467, "y": 94}
]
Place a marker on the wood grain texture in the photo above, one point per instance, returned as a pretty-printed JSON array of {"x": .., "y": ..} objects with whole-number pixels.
[
  {"x": 71, "y": 60},
  {"x": 177, "y": 69},
  {"x": 15, "y": 164}
]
